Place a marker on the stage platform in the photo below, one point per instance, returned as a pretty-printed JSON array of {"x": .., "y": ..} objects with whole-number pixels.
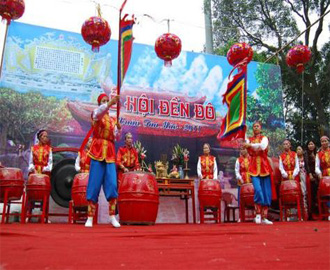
[{"x": 284, "y": 245}]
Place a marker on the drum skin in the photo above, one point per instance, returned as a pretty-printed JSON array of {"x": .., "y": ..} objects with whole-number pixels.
[
  {"x": 138, "y": 198},
  {"x": 247, "y": 195},
  {"x": 38, "y": 186},
  {"x": 11, "y": 180},
  {"x": 209, "y": 193},
  {"x": 78, "y": 190}
]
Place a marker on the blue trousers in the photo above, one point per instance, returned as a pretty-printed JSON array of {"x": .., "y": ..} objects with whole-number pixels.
[
  {"x": 262, "y": 190},
  {"x": 238, "y": 194},
  {"x": 102, "y": 174}
]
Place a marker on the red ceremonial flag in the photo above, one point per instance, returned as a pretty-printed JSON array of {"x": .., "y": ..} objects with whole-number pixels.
[{"x": 233, "y": 124}]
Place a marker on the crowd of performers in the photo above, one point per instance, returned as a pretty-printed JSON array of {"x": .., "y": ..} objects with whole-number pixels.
[{"x": 106, "y": 167}]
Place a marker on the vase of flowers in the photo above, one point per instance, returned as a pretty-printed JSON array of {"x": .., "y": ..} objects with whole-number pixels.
[
  {"x": 141, "y": 155},
  {"x": 179, "y": 155}
]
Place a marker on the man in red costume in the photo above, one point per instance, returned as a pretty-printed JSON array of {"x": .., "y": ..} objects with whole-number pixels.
[
  {"x": 242, "y": 171},
  {"x": 260, "y": 171},
  {"x": 207, "y": 164},
  {"x": 322, "y": 161},
  {"x": 83, "y": 161},
  {"x": 41, "y": 157},
  {"x": 127, "y": 157},
  {"x": 103, "y": 157},
  {"x": 288, "y": 162}
]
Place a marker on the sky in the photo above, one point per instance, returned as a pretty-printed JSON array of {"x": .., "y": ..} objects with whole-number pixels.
[
  {"x": 186, "y": 18},
  {"x": 70, "y": 14}
]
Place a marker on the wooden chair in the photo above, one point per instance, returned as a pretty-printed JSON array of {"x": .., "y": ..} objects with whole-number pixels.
[{"x": 231, "y": 205}]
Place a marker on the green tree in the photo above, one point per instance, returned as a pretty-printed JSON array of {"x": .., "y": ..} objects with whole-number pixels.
[
  {"x": 268, "y": 25},
  {"x": 24, "y": 113}
]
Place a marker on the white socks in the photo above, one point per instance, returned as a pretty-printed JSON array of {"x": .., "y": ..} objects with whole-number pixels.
[
  {"x": 258, "y": 219},
  {"x": 114, "y": 221},
  {"x": 89, "y": 222}
]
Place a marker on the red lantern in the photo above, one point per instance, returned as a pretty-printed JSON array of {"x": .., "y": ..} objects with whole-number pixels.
[
  {"x": 96, "y": 32},
  {"x": 11, "y": 9},
  {"x": 298, "y": 56},
  {"x": 168, "y": 47},
  {"x": 238, "y": 52}
]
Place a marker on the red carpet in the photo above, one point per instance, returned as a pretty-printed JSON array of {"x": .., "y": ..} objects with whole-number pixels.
[{"x": 295, "y": 245}]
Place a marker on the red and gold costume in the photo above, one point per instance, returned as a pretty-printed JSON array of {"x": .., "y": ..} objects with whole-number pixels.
[
  {"x": 207, "y": 167},
  {"x": 127, "y": 157},
  {"x": 41, "y": 159},
  {"x": 323, "y": 160},
  {"x": 84, "y": 162},
  {"x": 288, "y": 164},
  {"x": 259, "y": 164},
  {"x": 243, "y": 169},
  {"x": 103, "y": 147}
]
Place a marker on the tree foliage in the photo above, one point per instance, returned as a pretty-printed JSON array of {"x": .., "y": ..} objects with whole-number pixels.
[
  {"x": 268, "y": 25},
  {"x": 22, "y": 114}
]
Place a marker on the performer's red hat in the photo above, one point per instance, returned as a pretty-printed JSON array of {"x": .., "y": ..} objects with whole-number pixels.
[
  {"x": 100, "y": 97},
  {"x": 324, "y": 137}
]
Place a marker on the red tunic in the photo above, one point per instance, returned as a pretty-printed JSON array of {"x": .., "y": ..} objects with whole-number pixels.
[
  {"x": 127, "y": 157},
  {"x": 103, "y": 147},
  {"x": 289, "y": 162},
  {"x": 259, "y": 164},
  {"x": 40, "y": 155},
  {"x": 85, "y": 162},
  {"x": 207, "y": 166},
  {"x": 324, "y": 157},
  {"x": 244, "y": 169}
]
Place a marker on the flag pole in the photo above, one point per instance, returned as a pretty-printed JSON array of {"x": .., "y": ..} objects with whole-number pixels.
[{"x": 119, "y": 60}]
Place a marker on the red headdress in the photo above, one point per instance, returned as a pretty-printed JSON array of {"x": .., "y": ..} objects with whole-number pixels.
[{"x": 100, "y": 97}]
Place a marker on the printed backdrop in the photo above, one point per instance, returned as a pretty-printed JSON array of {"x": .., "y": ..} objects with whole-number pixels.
[{"x": 51, "y": 79}]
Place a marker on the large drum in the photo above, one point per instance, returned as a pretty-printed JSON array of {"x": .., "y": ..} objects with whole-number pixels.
[
  {"x": 289, "y": 190},
  {"x": 37, "y": 187},
  {"x": 138, "y": 198},
  {"x": 209, "y": 193},
  {"x": 324, "y": 187},
  {"x": 247, "y": 195},
  {"x": 78, "y": 191},
  {"x": 12, "y": 182}
]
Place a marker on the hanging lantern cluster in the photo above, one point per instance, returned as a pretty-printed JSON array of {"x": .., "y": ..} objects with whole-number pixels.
[
  {"x": 168, "y": 47},
  {"x": 298, "y": 56},
  {"x": 238, "y": 52},
  {"x": 11, "y": 9}
]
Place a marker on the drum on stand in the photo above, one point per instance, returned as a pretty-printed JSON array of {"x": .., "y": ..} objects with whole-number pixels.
[
  {"x": 289, "y": 190},
  {"x": 209, "y": 193},
  {"x": 247, "y": 195},
  {"x": 78, "y": 190},
  {"x": 138, "y": 198},
  {"x": 38, "y": 186},
  {"x": 12, "y": 183}
]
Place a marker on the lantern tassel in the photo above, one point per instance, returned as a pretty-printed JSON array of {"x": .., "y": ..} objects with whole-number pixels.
[{"x": 300, "y": 68}]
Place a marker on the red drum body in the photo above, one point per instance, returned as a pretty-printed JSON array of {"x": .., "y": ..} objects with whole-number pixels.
[
  {"x": 37, "y": 187},
  {"x": 289, "y": 190},
  {"x": 324, "y": 187},
  {"x": 78, "y": 191},
  {"x": 138, "y": 198},
  {"x": 12, "y": 182},
  {"x": 209, "y": 193},
  {"x": 247, "y": 195}
]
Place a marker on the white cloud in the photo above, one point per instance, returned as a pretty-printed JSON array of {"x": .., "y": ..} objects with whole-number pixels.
[
  {"x": 195, "y": 76},
  {"x": 211, "y": 84}
]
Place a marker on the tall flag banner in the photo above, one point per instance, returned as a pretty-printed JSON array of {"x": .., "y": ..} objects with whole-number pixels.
[
  {"x": 125, "y": 44},
  {"x": 233, "y": 125}
]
